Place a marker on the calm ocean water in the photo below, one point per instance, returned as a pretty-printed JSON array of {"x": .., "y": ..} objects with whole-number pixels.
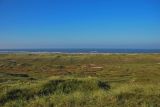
[{"x": 79, "y": 51}]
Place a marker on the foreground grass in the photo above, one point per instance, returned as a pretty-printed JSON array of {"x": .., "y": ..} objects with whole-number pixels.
[
  {"x": 50, "y": 88},
  {"x": 54, "y": 80},
  {"x": 77, "y": 92}
]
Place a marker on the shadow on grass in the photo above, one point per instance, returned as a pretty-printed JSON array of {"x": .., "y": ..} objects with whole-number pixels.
[
  {"x": 18, "y": 75},
  {"x": 15, "y": 94}
]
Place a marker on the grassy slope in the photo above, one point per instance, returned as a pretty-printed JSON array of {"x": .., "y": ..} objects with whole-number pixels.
[{"x": 80, "y": 80}]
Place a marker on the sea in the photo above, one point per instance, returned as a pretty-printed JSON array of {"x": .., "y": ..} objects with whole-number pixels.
[{"x": 80, "y": 51}]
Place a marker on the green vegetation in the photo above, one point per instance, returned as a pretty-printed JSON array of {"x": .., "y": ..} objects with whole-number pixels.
[{"x": 80, "y": 80}]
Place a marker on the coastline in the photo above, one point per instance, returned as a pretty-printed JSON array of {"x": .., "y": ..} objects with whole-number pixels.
[
  {"x": 60, "y": 53},
  {"x": 80, "y": 51}
]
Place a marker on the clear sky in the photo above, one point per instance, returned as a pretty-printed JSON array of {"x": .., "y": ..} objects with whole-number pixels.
[{"x": 79, "y": 24}]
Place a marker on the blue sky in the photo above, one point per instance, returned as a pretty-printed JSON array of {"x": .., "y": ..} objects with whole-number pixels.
[{"x": 79, "y": 24}]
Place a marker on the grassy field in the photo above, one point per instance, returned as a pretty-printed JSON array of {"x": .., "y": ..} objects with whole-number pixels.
[{"x": 80, "y": 80}]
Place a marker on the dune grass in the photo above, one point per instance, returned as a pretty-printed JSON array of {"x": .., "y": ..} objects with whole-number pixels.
[
  {"x": 63, "y": 80},
  {"x": 51, "y": 87}
]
